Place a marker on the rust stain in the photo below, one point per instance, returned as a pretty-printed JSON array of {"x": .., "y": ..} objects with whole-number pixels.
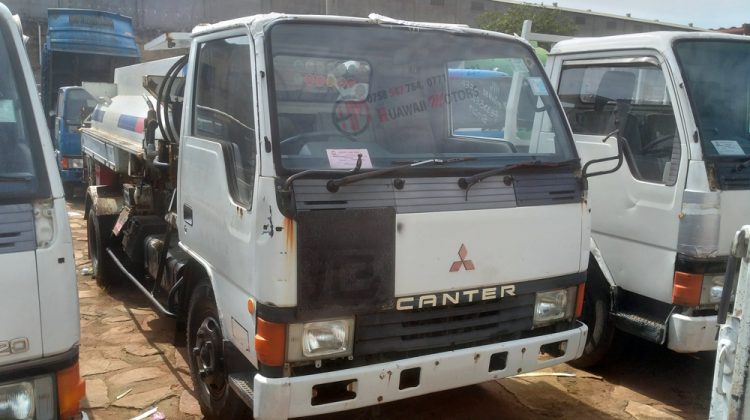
[{"x": 289, "y": 232}]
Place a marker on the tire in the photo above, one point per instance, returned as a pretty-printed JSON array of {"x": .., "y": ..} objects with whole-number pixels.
[
  {"x": 206, "y": 359},
  {"x": 99, "y": 234},
  {"x": 596, "y": 315}
]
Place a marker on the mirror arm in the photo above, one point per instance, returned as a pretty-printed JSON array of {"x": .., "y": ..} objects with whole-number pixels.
[{"x": 621, "y": 146}]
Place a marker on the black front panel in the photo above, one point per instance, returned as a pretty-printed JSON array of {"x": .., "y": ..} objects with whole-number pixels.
[
  {"x": 443, "y": 328},
  {"x": 729, "y": 177},
  {"x": 547, "y": 189},
  {"x": 346, "y": 261}
]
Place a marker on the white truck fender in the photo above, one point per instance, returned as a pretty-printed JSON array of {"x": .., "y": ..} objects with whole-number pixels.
[{"x": 597, "y": 254}]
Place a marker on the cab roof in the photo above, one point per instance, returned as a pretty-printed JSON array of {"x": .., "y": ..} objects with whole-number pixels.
[
  {"x": 660, "y": 41},
  {"x": 257, "y": 24}
]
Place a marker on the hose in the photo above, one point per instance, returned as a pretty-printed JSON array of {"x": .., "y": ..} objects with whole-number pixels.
[{"x": 162, "y": 101}]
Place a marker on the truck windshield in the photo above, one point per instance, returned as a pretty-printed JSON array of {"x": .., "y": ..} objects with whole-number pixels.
[
  {"x": 717, "y": 74},
  {"x": 21, "y": 175},
  {"x": 394, "y": 94},
  {"x": 78, "y": 105}
]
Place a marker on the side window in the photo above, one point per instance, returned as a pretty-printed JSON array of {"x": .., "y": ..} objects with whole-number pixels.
[
  {"x": 599, "y": 99},
  {"x": 223, "y": 110}
]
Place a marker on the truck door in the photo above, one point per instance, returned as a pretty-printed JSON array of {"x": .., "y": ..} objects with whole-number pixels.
[
  {"x": 217, "y": 174},
  {"x": 635, "y": 211}
]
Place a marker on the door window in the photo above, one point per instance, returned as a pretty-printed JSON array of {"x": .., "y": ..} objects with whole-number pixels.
[
  {"x": 601, "y": 98},
  {"x": 224, "y": 109}
]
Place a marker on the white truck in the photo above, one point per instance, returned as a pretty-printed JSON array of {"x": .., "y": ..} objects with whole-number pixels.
[
  {"x": 39, "y": 324},
  {"x": 324, "y": 228},
  {"x": 663, "y": 222}
]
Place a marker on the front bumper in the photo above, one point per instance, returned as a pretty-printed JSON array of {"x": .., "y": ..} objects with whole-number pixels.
[
  {"x": 692, "y": 334},
  {"x": 374, "y": 384}
]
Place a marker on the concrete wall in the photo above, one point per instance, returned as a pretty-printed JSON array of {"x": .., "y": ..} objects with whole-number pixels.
[{"x": 152, "y": 17}]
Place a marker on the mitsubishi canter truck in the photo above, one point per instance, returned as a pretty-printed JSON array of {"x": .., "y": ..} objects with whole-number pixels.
[
  {"x": 663, "y": 222},
  {"x": 39, "y": 324},
  {"x": 309, "y": 198}
]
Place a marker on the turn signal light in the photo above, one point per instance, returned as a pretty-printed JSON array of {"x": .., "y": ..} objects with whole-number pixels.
[
  {"x": 70, "y": 391},
  {"x": 270, "y": 342},
  {"x": 686, "y": 290},
  {"x": 579, "y": 299}
]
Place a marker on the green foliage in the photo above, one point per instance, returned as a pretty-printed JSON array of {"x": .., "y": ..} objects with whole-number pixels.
[{"x": 510, "y": 21}]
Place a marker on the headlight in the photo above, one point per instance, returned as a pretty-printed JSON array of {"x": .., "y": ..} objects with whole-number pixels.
[
  {"x": 554, "y": 305},
  {"x": 711, "y": 289},
  {"x": 315, "y": 340},
  {"x": 29, "y": 399}
]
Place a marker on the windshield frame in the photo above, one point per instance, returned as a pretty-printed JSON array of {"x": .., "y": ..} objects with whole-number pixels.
[
  {"x": 40, "y": 185},
  {"x": 566, "y": 140},
  {"x": 694, "y": 110}
]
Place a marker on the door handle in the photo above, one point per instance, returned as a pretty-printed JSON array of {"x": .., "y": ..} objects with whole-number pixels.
[{"x": 187, "y": 214}]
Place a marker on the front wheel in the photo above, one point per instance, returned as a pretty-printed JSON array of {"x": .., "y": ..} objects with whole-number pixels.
[
  {"x": 596, "y": 316},
  {"x": 206, "y": 359}
]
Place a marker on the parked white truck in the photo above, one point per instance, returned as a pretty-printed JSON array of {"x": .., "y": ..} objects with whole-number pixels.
[
  {"x": 325, "y": 228},
  {"x": 39, "y": 325},
  {"x": 661, "y": 224}
]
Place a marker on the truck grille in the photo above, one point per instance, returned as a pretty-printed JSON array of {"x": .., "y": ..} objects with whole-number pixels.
[
  {"x": 442, "y": 328},
  {"x": 17, "y": 228}
]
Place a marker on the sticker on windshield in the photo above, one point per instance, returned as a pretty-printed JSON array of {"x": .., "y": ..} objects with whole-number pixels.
[
  {"x": 7, "y": 112},
  {"x": 347, "y": 158},
  {"x": 727, "y": 147},
  {"x": 537, "y": 86}
]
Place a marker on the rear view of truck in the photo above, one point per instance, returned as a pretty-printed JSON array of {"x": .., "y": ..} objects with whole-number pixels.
[
  {"x": 39, "y": 325},
  {"x": 82, "y": 45}
]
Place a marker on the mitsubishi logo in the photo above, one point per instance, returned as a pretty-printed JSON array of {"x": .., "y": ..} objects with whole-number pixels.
[{"x": 467, "y": 264}]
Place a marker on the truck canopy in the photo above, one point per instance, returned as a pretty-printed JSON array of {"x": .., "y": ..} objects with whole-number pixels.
[{"x": 90, "y": 32}]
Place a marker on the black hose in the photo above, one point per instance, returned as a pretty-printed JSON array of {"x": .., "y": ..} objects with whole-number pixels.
[{"x": 164, "y": 90}]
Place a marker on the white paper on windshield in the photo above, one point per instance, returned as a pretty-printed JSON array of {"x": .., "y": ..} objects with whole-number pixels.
[
  {"x": 537, "y": 86},
  {"x": 347, "y": 158},
  {"x": 727, "y": 147},
  {"x": 7, "y": 112}
]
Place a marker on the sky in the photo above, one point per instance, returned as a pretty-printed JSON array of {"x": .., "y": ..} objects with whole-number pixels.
[{"x": 702, "y": 13}]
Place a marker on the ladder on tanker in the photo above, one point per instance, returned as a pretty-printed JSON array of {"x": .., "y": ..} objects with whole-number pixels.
[{"x": 730, "y": 398}]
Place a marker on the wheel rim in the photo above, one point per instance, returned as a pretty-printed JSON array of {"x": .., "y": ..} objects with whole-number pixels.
[{"x": 208, "y": 358}]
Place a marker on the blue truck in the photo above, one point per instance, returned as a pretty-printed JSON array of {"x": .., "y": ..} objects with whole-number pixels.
[{"x": 82, "y": 45}]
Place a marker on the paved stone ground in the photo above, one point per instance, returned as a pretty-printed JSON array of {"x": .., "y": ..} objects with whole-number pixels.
[{"x": 127, "y": 351}]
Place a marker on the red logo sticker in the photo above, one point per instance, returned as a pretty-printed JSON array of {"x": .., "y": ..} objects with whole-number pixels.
[{"x": 467, "y": 264}]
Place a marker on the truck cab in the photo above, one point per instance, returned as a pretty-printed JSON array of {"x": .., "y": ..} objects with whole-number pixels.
[
  {"x": 328, "y": 235},
  {"x": 74, "y": 104},
  {"x": 662, "y": 223},
  {"x": 39, "y": 324}
]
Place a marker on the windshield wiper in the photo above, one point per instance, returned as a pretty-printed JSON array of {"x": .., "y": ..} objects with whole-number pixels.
[
  {"x": 307, "y": 172},
  {"x": 333, "y": 185},
  {"x": 742, "y": 165},
  {"x": 466, "y": 183}
]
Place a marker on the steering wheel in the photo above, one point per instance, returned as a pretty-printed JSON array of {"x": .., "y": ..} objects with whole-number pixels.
[
  {"x": 294, "y": 144},
  {"x": 652, "y": 145}
]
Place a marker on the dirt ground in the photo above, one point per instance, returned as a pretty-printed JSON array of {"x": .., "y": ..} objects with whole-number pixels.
[{"x": 130, "y": 364}]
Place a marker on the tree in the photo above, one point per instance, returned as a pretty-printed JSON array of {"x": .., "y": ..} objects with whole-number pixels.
[{"x": 545, "y": 20}]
